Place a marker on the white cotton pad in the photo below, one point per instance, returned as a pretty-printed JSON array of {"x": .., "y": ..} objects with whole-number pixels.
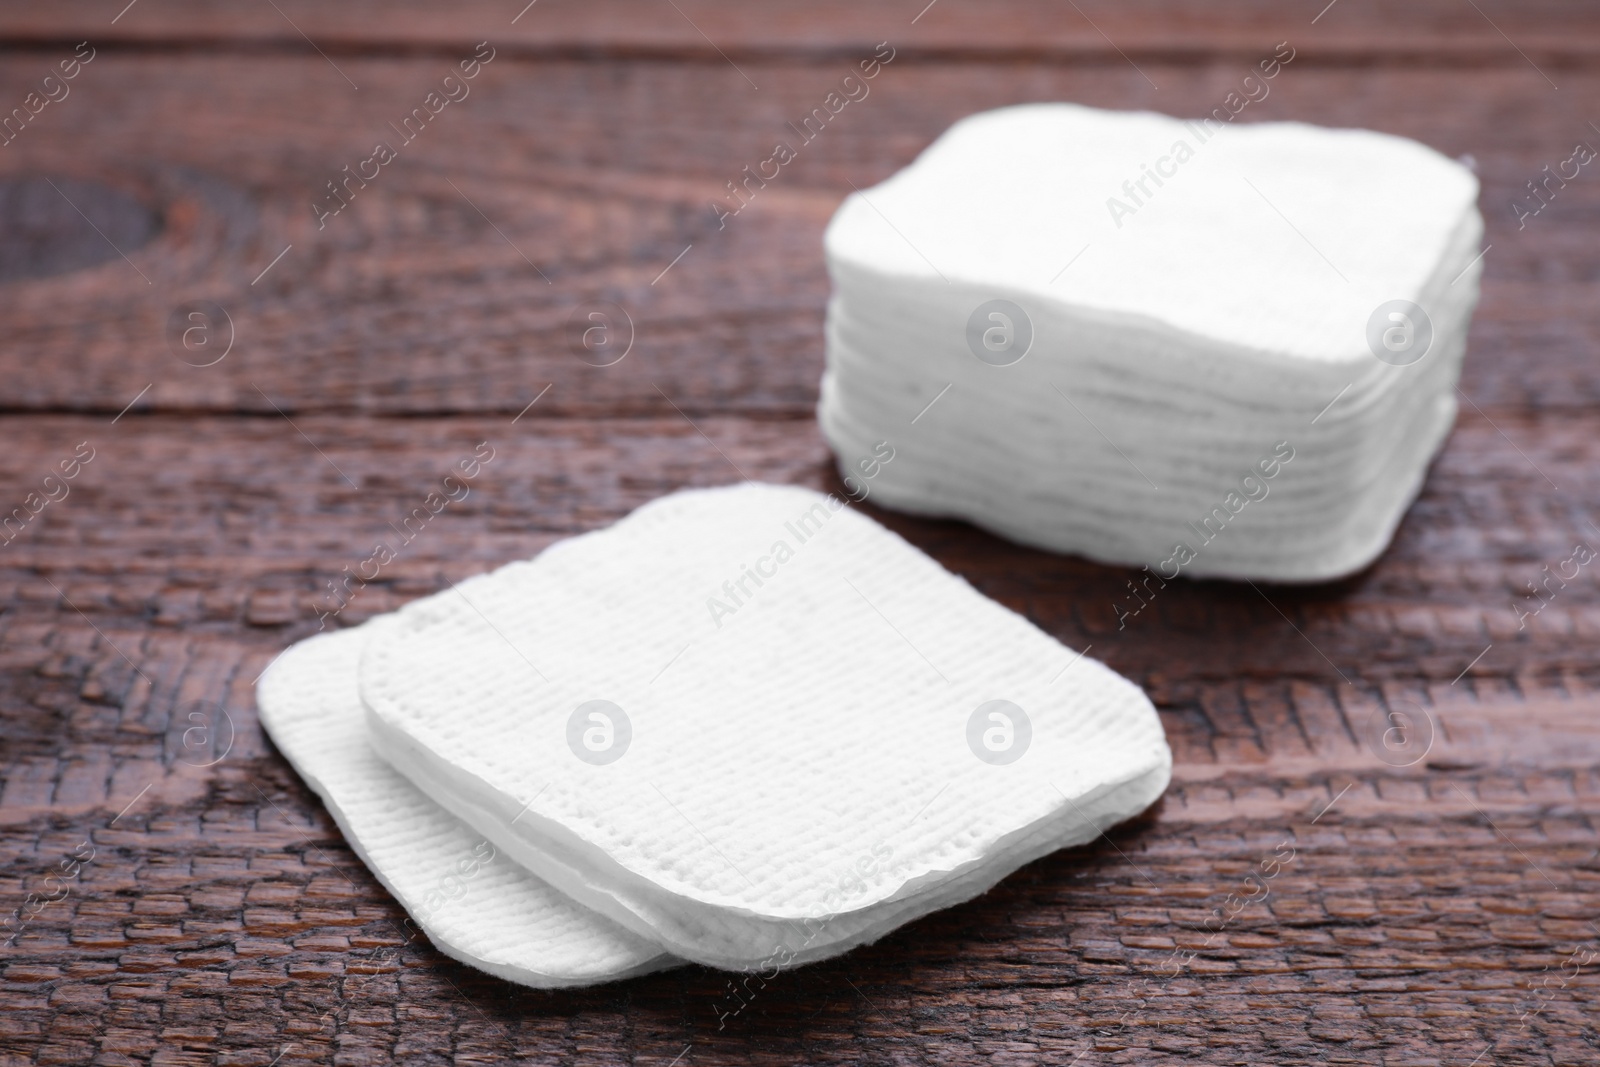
[
  {"x": 802, "y": 706},
  {"x": 476, "y": 904},
  {"x": 1177, "y": 300}
]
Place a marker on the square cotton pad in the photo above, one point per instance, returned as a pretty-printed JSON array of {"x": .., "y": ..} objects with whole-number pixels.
[
  {"x": 474, "y": 903},
  {"x": 755, "y": 726},
  {"x": 1096, "y": 331}
]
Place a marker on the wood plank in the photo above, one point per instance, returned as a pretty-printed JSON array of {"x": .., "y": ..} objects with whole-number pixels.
[
  {"x": 413, "y": 301},
  {"x": 1323, "y": 966},
  {"x": 1350, "y": 31},
  {"x": 227, "y": 895},
  {"x": 236, "y": 525}
]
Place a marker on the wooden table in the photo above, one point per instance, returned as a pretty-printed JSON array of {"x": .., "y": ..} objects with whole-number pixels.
[{"x": 1439, "y": 908}]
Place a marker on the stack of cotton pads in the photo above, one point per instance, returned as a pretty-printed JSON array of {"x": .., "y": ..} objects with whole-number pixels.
[
  {"x": 1215, "y": 349},
  {"x": 746, "y": 727}
]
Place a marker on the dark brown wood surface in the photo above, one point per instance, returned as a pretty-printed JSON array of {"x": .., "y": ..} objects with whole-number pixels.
[{"x": 1443, "y": 912}]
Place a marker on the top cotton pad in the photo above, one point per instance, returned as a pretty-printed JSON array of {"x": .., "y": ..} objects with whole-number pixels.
[
  {"x": 476, "y": 905},
  {"x": 1005, "y": 199},
  {"x": 1082, "y": 328},
  {"x": 750, "y": 721}
]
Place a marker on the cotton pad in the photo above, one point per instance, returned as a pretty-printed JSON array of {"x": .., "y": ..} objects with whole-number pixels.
[
  {"x": 476, "y": 904},
  {"x": 1091, "y": 330},
  {"x": 755, "y": 726}
]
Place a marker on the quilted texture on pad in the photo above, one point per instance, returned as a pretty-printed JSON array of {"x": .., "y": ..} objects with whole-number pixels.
[
  {"x": 791, "y": 735},
  {"x": 473, "y": 902},
  {"x": 1005, "y": 198}
]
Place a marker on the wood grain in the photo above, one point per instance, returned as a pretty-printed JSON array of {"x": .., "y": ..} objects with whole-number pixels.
[
  {"x": 1491, "y": 32},
  {"x": 599, "y": 178},
  {"x": 1440, "y": 906}
]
